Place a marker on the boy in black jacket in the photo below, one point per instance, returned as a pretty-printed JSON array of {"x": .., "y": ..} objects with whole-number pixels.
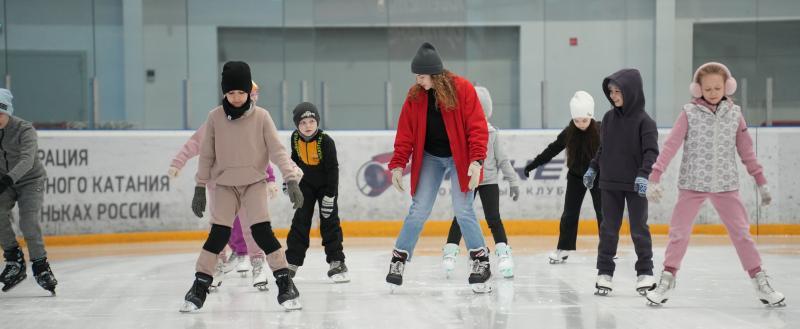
[
  {"x": 624, "y": 160},
  {"x": 315, "y": 153}
]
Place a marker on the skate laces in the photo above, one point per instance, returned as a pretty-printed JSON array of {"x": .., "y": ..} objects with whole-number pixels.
[
  {"x": 335, "y": 264},
  {"x": 396, "y": 268},
  {"x": 12, "y": 268},
  {"x": 479, "y": 266},
  {"x": 663, "y": 285},
  {"x": 763, "y": 284}
]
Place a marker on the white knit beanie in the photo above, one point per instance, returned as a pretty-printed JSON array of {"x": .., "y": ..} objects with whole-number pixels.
[{"x": 581, "y": 105}]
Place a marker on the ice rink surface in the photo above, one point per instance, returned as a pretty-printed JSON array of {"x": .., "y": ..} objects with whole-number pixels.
[{"x": 142, "y": 286}]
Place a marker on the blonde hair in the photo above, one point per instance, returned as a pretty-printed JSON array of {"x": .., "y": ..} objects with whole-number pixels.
[
  {"x": 711, "y": 69},
  {"x": 444, "y": 88}
]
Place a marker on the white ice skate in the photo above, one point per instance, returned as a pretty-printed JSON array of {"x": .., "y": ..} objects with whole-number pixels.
[
  {"x": 218, "y": 274},
  {"x": 660, "y": 294},
  {"x": 232, "y": 262},
  {"x": 558, "y": 257},
  {"x": 645, "y": 283},
  {"x": 259, "y": 275},
  {"x": 603, "y": 285},
  {"x": 244, "y": 266},
  {"x": 504, "y": 263},
  {"x": 449, "y": 254},
  {"x": 765, "y": 293}
]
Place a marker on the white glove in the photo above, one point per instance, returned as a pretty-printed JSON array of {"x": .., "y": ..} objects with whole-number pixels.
[
  {"x": 655, "y": 193},
  {"x": 766, "y": 197},
  {"x": 474, "y": 173},
  {"x": 272, "y": 190},
  {"x": 173, "y": 172},
  {"x": 397, "y": 179},
  {"x": 327, "y": 206}
]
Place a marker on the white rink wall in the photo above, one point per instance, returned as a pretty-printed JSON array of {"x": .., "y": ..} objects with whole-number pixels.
[{"x": 110, "y": 181}]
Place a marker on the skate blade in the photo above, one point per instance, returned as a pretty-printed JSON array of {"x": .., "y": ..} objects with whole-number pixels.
[
  {"x": 261, "y": 286},
  {"x": 650, "y": 302},
  {"x": 11, "y": 285},
  {"x": 781, "y": 303},
  {"x": 643, "y": 290},
  {"x": 188, "y": 307},
  {"x": 292, "y": 304},
  {"x": 481, "y": 288},
  {"x": 602, "y": 292},
  {"x": 393, "y": 288},
  {"x": 340, "y": 278}
]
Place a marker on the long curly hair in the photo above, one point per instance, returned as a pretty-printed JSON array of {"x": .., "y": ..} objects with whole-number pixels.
[
  {"x": 445, "y": 90},
  {"x": 582, "y": 145}
]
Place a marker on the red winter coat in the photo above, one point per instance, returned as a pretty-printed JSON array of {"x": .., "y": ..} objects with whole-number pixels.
[{"x": 466, "y": 128}]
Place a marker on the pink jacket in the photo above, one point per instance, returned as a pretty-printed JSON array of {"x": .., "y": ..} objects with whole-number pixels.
[
  {"x": 695, "y": 163},
  {"x": 191, "y": 149}
]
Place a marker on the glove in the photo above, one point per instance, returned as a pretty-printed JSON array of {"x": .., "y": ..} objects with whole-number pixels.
[
  {"x": 5, "y": 183},
  {"x": 474, "y": 173},
  {"x": 397, "y": 179},
  {"x": 173, "y": 172},
  {"x": 654, "y": 193},
  {"x": 588, "y": 178},
  {"x": 327, "y": 206},
  {"x": 766, "y": 197},
  {"x": 640, "y": 186},
  {"x": 272, "y": 190},
  {"x": 528, "y": 168},
  {"x": 513, "y": 192},
  {"x": 199, "y": 201},
  {"x": 295, "y": 195}
]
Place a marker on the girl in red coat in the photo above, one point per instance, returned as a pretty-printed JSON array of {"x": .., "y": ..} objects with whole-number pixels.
[{"x": 441, "y": 129}]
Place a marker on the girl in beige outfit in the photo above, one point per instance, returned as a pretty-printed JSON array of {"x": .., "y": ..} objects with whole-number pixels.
[{"x": 240, "y": 141}]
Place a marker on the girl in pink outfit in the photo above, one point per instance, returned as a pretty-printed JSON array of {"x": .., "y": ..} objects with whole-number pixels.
[
  {"x": 712, "y": 130},
  {"x": 241, "y": 241}
]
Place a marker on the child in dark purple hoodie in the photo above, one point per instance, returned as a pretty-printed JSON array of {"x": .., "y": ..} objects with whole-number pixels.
[{"x": 624, "y": 160}]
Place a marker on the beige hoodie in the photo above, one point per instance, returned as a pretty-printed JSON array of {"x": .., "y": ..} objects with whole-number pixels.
[{"x": 235, "y": 152}]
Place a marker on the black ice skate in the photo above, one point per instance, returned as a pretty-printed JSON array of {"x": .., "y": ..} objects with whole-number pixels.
[
  {"x": 480, "y": 273},
  {"x": 197, "y": 293},
  {"x": 44, "y": 275},
  {"x": 396, "y": 267},
  {"x": 338, "y": 272},
  {"x": 288, "y": 296},
  {"x": 14, "y": 272}
]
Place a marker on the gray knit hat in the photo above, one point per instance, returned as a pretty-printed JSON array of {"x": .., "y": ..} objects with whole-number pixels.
[
  {"x": 427, "y": 60},
  {"x": 6, "y": 99}
]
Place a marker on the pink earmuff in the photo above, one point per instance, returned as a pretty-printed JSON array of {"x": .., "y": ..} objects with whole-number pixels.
[{"x": 730, "y": 84}]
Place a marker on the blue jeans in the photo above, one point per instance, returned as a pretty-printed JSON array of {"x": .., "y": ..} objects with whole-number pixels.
[{"x": 430, "y": 178}]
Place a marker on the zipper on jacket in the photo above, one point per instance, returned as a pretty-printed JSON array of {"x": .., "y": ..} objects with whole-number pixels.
[
  {"x": 5, "y": 154},
  {"x": 715, "y": 158}
]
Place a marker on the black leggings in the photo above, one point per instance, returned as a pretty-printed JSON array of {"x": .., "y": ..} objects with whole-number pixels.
[
  {"x": 490, "y": 197},
  {"x": 573, "y": 200}
]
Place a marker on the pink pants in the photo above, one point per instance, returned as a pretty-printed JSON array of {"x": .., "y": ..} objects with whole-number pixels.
[{"x": 732, "y": 213}]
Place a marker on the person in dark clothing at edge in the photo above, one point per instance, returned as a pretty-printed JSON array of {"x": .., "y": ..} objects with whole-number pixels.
[
  {"x": 315, "y": 153},
  {"x": 623, "y": 162},
  {"x": 581, "y": 139}
]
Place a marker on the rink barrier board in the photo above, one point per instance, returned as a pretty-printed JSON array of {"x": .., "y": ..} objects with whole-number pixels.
[{"x": 392, "y": 228}]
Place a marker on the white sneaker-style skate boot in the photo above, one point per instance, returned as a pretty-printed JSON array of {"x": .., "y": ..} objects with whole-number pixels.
[
  {"x": 259, "y": 274},
  {"x": 558, "y": 257},
  {"x": 765, "y": 293},
  {"x": 449, "y": 254},
  {"x": 232, "y": 262},
  {"x": 244, "y": 266},
  {"x": 645, "y": 283},
  {"x": 661, "y": 293},
  {"x": 505, "y": 264},
  {"x": 603, "y": 285}
]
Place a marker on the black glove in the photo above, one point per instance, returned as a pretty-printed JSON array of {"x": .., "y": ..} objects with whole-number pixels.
[
  {"x": 295, "y": 195},
  {"x": 528, "y": 168},
  {"x": 199, "y": 201},
  {"x": 5, "y": 183}
]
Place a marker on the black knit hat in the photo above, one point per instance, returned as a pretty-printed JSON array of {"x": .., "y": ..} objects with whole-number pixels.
[
  {"x": 236, "y": 76},
  {"x": 304, "y": 110},
  {"x": 427, "y": 60}
]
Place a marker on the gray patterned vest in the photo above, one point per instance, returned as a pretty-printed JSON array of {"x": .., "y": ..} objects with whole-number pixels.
[{"x": 709, "y": 151}]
